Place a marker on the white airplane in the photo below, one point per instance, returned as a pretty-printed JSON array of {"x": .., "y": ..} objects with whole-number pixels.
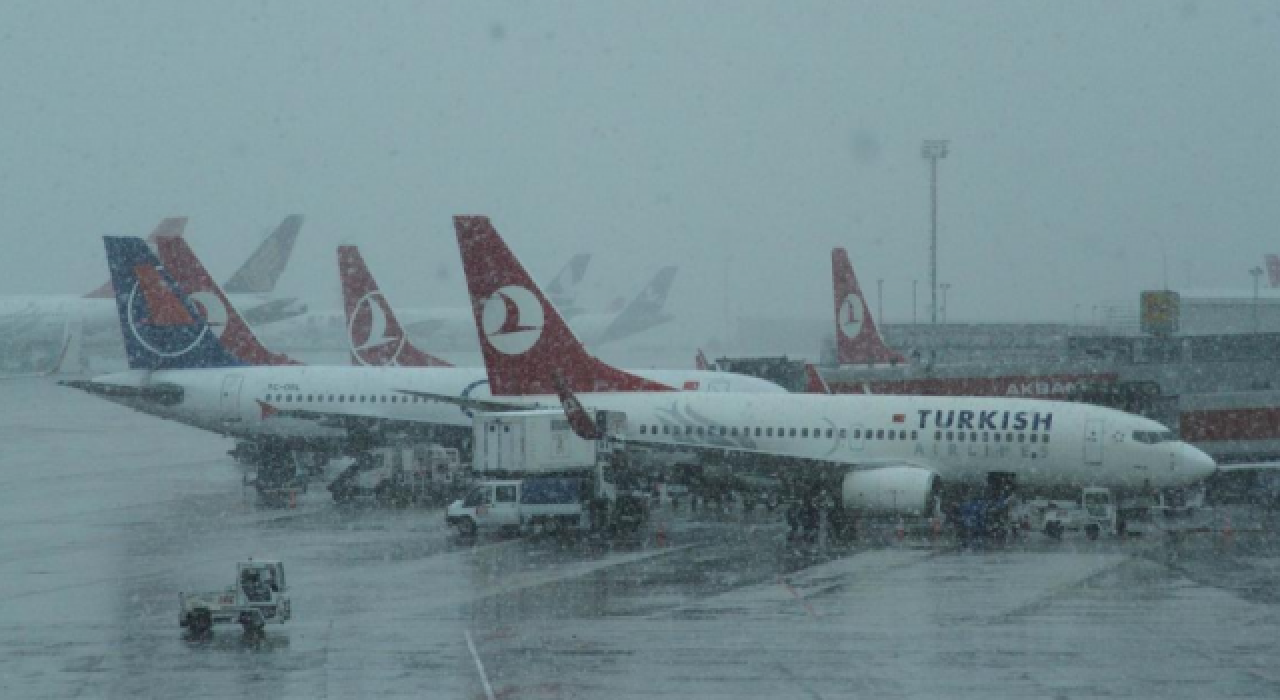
[
  {"x": 879, "y": 453},
  {"x": 183, "y": 369},
  {"x": 95, "y": 312}
]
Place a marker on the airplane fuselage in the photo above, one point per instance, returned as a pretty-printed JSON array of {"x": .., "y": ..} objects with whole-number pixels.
[{"x": 1044, "y": 443}]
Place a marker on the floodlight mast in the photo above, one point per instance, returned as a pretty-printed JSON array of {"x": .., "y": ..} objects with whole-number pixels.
[{"x": 933, "y": 150}]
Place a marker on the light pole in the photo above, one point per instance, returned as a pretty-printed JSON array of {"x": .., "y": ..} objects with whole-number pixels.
[
  {"x": 913, "y": 303},
  {"x": 880, "y": 300},
  {"x": 932, "y": 150},
  {"x": 945, "y": 286},
  {"x": 1257, "y": 274}
]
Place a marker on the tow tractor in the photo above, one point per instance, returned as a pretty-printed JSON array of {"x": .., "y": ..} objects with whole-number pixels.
[
  {"x": 259, "y": 597},
  {"x": 1095, "y": 514}
]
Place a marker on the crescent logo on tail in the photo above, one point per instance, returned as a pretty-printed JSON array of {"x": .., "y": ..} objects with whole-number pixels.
[
  {"x": 512, "y": 319},
  {"x": 367, "y": 332},
  {"x": 851, "y": 315}
]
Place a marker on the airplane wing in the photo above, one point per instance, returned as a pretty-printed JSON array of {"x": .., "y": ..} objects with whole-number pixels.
[
  {"x": 166, "y": 394},
  {"x": 728, "y": 450},
  {"x": 1249, "y": 466}
]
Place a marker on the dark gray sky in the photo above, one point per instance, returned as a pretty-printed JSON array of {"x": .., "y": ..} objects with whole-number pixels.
[{"x": 736, "y": 139}]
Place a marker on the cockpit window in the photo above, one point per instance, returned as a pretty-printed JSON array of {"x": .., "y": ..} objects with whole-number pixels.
[{"x": 1152, "y": 437}]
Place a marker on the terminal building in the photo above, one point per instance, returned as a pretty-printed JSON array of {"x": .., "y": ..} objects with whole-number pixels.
[{"x": 1208, "y": 366}]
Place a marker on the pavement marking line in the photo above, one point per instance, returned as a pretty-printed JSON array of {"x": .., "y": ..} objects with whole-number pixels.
[
  {"x": 796, "y": 594},
  {"x": 484, "y": 677}
]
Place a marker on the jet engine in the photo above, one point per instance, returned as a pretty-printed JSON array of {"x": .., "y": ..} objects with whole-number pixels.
[{"x": 891, "y": 491}]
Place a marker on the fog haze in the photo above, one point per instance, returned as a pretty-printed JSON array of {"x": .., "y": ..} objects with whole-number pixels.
[{"x": 1089, "y": 142}]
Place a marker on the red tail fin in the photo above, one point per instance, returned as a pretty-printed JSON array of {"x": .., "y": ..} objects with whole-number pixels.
[
  {"x": 700, "y": 362},
  {"x": 523, "y": 337},
  {"x": 858, "y": 342},
  {"x": 375, "y": 335},
  {"x": 223, "y": 319},
  {"x": 1273, "y": 269},
  {"x": 173, "y": 226}
]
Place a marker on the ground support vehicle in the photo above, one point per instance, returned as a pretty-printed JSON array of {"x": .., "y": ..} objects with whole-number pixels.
[
  {"x": 422, "y": 474},
  {"x": 260, "y": 596},
  {"x": 543, "y": 477},
  {"x": 1095, "y": 514}
]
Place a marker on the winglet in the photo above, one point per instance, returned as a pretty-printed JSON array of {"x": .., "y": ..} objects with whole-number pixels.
[
  {"x": 815, "y": 383},
  {"x": 223, "y": 319},
  {"x": 374, "y": 335},
  {"x": 172, "y": 226},
  {"x": 857, "y": 340},
  {"x": 579, "y": 419},
  {"x": 522, "y": 336},
  {"x": 700, "y": 362}
]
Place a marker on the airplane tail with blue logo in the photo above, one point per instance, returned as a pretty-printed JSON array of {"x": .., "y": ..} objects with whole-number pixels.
[
  {"x": 217, "y": 311},
  {"x": 858, "y": 342},
  {"x": 162, "y": 329},
  {"x": 375, "y": 335},
  {"x": 524, "y": 339}
]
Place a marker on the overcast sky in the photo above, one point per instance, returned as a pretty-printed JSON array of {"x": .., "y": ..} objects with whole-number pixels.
[{"x": 738, "y": 140}]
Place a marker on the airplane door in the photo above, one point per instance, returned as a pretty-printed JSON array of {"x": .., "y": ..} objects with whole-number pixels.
[
  {"x": 1093, "y": 442},
  {"x": 505, "y": 510},
  {"x": 230, "y": 402},
  {"x": 857, "y": 438}
]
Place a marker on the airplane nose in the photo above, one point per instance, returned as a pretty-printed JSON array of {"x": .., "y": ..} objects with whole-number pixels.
[{"x": 1197, "y": 464}]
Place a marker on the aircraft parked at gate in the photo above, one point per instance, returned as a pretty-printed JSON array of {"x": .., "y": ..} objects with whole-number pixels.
[
  {"x": 181, "y": 369},
  {"x": 881, "y": 453}
]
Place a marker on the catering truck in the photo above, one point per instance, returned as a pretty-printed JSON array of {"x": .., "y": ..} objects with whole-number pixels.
[{"x": 536, "y": 474}]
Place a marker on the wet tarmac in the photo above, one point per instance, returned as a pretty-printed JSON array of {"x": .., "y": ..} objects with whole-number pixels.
[{"x": 105, "y": 515}]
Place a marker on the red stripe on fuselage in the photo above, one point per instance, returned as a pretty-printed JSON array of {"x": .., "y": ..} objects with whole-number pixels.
[{"x": 1045, "y": 385}]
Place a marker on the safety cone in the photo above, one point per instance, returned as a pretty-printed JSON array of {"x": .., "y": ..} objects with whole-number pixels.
[
  {"x": 901, "y": 531},
  {"x": 660, "y": 537},
  {"x": 935, "y": 528}
]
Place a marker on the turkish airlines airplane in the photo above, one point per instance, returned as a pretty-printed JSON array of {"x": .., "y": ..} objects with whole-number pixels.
[
  {"x": 181, "y": 368},
  {"x": 869, "y": 365},
  {"x": 880, "y": 453},
  {"x": 95, "y": 312}
]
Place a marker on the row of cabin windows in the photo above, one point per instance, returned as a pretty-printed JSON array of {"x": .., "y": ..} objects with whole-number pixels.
[
  {"x": 858, "y": 434},
  {"x": 768, "y": 432},
  {"x": 951, "y": 436},
  {"x": 341, "y": 398},
  {"x": 727, "y": 431}
]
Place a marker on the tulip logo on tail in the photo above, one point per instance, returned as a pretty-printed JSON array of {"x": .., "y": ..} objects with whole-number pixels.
[
  {"x": 512, "y": 319},
  {"x": 851, "y": 316},
  {"x": 158, "y": 318},
  {"x": 367, "y": 333}
]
